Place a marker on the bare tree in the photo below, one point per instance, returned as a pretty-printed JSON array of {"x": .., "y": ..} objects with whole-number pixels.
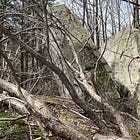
[
  {"x": 46, "y": 55},
  {"x": 135, "y": 12}
]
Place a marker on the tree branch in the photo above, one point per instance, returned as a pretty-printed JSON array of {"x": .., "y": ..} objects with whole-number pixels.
[{"x": 131, "y": 2}]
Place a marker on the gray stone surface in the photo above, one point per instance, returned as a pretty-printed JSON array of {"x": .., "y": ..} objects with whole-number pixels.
[{"x": 121, "y": 55}]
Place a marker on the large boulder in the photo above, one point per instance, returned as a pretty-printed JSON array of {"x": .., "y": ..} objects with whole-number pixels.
[
  {"x": 122, "y": 55},
  {"x": 88, "y": 55}
]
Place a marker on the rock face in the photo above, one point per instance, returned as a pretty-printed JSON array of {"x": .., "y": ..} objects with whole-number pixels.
[
  {"x": 79, "y": 37},
  {"x": 122, "y": 55},
  {"x": 71, "y": 23},
  {"x": 68, "y": 32}
]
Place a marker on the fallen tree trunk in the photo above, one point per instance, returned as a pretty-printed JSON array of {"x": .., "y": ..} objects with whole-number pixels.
[
  {"x": 16, "y": 104},
  {"x": 41, "y": 112}
]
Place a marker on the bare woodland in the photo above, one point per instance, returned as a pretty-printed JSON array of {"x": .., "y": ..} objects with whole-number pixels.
[{"x": 41, "y": 73}]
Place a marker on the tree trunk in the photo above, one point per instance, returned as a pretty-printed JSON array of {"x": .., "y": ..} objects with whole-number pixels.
[{"x": 136, "y": 14}]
